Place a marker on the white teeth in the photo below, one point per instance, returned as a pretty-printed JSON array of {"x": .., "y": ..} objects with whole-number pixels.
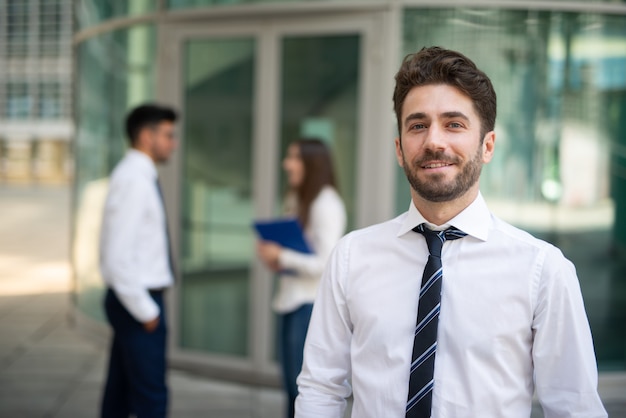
[{"x": 437, "y": 165}]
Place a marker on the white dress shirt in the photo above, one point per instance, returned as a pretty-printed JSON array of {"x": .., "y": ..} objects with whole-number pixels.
[
  {"x": 134, "y": 252},
  {"x": 326, "y": 225},
  {"x": 512, "y": 320}
]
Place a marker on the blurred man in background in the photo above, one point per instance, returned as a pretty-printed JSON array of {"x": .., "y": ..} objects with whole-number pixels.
[{"x": 136, "y": 266}]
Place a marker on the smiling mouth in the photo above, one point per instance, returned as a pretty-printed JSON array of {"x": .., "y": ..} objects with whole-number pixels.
[{"x": 436, "y": 165}]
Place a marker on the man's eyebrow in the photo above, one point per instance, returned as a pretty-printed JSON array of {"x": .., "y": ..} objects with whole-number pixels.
[
  {"x": 414, "y": 116},
  {"x": 455, "y": 114}
]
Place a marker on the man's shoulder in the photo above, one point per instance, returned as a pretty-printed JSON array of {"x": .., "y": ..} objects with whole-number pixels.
[
  {"x": 127, "y": 181},
  {"x": 518, "y": 235},
  {"x": 128, "y": 169},
  {"x": 328, "y": 197},
  {"x": 124, "y": 164},
  {"x": 379, "y": 232}
]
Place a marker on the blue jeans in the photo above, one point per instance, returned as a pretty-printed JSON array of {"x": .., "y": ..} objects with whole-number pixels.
[
  {"x": 137, "y": 366},
  {"x": 292, "y": 333}
]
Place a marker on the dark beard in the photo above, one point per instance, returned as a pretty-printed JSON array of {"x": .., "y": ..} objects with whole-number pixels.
[{"x": 435, "y": 190}]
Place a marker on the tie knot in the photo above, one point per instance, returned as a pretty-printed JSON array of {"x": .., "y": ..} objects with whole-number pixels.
[{"x": 435, "y": 239}]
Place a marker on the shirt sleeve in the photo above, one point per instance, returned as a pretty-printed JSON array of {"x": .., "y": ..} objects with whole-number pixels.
[
  {"x": 124, "y": 211},
  {"x": 566, "y": 376},
  {"x": 323, "y": 383},
  {"x": 327, "y": 225}
]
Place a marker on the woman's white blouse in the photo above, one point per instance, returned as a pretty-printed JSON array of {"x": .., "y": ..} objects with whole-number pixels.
[{"x": 327, "y": 224}]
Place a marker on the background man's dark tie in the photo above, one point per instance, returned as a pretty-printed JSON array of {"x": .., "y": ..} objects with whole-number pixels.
[{"x": 170, "y": 258}]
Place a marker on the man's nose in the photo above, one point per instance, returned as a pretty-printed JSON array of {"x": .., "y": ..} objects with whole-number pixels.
[{"x": 435, "y": 137}]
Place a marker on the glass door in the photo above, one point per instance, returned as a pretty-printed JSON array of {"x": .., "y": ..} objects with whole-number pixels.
[{"x": 246, "y": 91}]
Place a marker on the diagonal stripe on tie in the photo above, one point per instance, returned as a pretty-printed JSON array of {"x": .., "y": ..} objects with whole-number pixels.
[
  {"x": 427, "y": 319},
  {"x": 419, "y": 361},
  {"x": 421, "y": 394},
  {"x": 436, "y": 276},
  {"x": 421, "y": 382}
]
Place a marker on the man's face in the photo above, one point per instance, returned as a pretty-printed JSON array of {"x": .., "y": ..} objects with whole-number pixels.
[
  {"x": 440, "y": 146},
  {"x": 162, "y": 141}
]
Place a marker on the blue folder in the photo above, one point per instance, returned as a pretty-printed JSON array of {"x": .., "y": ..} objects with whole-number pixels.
[{"x": 286, "y": 232}]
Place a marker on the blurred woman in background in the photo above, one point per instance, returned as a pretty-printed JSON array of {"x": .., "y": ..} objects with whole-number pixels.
[{"x": 313, "y": 199}]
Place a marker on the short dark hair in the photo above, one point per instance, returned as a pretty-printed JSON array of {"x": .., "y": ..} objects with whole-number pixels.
[
  {"x": 147, "y": 115},
  {"x": 435, "y": 65}
]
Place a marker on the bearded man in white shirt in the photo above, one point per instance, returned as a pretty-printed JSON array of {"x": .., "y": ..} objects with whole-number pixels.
[
  {"x": 511, "y": 318},
  {"x": 136, "y": 266}
]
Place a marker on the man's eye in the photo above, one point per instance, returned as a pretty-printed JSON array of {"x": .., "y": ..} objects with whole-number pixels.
[{"x": 455, "y": 125}]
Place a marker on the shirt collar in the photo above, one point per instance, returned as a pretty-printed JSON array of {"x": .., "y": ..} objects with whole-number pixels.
[
  {"x": 474, "y": 220},
  {"x": 142, "y": 161}
]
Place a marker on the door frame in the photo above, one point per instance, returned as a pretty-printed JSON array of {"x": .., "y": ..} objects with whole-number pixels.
[{"x": 375, "y": 153}]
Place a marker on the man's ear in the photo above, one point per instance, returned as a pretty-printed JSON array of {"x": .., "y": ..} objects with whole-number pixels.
[
  {"x": 143, "y": 138},
  {"x": 399, "y": 151},
  {"x": 489, "y": 144}
]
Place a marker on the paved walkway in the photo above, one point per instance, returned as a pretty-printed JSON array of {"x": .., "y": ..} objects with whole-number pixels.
[{"x": 48, "y": 369}]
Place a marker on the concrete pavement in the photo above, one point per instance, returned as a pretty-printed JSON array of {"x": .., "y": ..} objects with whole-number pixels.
[{"x": 49, "y": 370}]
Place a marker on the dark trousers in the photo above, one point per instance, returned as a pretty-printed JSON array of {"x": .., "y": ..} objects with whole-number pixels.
[
  {"x": 137, "y": 366},
  {"x": 293, "y": 328}
]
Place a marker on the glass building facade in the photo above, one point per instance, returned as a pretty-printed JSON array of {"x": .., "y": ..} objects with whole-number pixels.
[
  {"x": 35, "y": 91},
  {"x": 250, "y": 76}
]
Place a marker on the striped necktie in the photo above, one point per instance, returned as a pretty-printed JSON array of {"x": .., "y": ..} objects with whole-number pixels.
[{"x": 421, "y": 382}]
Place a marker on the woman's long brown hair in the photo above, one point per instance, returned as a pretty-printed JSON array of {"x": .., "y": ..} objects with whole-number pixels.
[{"x": 318, "y": 172}]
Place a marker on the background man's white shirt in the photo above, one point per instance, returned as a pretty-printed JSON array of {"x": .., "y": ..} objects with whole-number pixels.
[{"x": 134, "y": 252}]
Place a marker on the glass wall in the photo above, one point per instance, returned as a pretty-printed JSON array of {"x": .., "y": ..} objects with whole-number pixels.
[
  {"x": 558, "y": 170},
  {"x": 115, "y": 72}
]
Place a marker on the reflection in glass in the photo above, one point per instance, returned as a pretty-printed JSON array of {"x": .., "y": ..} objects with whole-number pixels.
[
  {"x": 217, "y": 240},
  {"x": 559, "y": 170}
]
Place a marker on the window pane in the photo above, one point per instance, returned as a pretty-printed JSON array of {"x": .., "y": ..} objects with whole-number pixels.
[
  {"x": 49, "y": 101},
  {"x": 217, "y": 241},
  {"x": 19, "y": 101},
  {"x": 17, "y": 28},
  {"x": 49, "y": 27}
]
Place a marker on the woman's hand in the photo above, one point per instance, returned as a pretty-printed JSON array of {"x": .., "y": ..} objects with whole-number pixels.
[{"x": 269, "y": 253}]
